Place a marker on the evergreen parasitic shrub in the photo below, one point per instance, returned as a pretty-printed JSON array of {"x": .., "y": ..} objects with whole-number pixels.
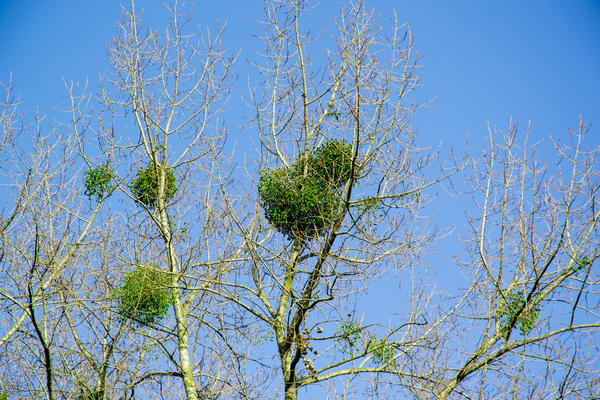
[
  {"x": 145, "y": 295},
  {"x": 145, "y": 187},
  {"x": 303, "y": 206}
]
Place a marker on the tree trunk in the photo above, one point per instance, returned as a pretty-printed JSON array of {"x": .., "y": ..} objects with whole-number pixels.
[
  {"x": 184, "y": 353},
  {"x": 291, "y": 390},
  {"x": 284, "y": 342},
  {"x": 289, "y": 373},
  {"x": 180, "y": 313}
]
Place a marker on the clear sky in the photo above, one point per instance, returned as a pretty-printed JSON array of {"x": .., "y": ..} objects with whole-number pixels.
[{"x": 482, "y": 60}]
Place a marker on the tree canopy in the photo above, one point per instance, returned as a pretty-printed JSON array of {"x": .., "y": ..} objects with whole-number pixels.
[{"x": 144, "y": 256}]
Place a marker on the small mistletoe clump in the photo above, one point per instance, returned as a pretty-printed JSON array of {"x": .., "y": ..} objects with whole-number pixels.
[
  {"x": 303, "y": 206},
  {"x": 383, "y": 351},
  {"x": 145, "y": 297},
  {"x": 146, "y": 184},
  {"x": 99, "y": 181},
  {"x": 86, "y": 394},
  {"x": 348, "y": 335},
  {"x": 509, "y": 304}
]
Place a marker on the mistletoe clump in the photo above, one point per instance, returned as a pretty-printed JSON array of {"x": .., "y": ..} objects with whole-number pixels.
[
  {"x": 509, "y": 304},
  {"x": 86, "y": 394},
  {"x": 145, "y": 297},
  {"x": 98, "y": 181},
  {"x": 348, "y": 335},
  {"x": 146, "y": 184},
  {"x": 300, "y": 201},
  {"x": 383, "y": 351},
  {"x": 330, "y": 163}
]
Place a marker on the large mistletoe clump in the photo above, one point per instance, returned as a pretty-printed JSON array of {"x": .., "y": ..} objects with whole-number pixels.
[
  {"x": 145, "y": 295},
  {"x": 300, "y": 201},
  {"x": 145, "y": 187}
]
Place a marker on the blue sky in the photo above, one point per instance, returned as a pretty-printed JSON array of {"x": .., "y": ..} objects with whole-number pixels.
[{"x": 482, "y": 61}]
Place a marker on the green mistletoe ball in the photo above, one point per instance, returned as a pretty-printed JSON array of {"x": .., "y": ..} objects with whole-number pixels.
[
  {"x": 511, "y": 302},
  {"x": 303, "y": 205},
  {"x": 145, "y": 295},
  {"x": 98, "y": 182},
  {"x": 145, "y": 187}
]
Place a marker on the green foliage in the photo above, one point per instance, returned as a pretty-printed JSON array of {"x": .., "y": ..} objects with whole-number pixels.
[
  {"x": 348, "y": 335},
  {"x": 372, "y": 206},
  {"x": 332, "y": 113},
  {"x": 383, "y": 351},
  {"x": 205, "y": 393},
  {"x": 146, "y": 184},
  {"x": 369, "y": 203},
  {"x": 98, "y": 181},
  {"x": 303, "y": 205},
  {"x": 144, "y": 296},
  {"x": 330, "y": 164},
  {"x": 3, "y": 396},
  {"x": 295, "y": 207},
  {"x": 85, "y": 394},
  {"x": 267, "y": 337},
  {"x": 581, "y": 263},
  {"x": 509, "y": 304}
]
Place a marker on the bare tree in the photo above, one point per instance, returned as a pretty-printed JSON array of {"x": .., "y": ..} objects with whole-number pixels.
[
  {"x": 166, "y": 91},
  {"x": 532, "y": 302},
  {"x": 47, "y": 225},
  {"x": 340, "y": 187},
  {"x": 96, "y": 291}
]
